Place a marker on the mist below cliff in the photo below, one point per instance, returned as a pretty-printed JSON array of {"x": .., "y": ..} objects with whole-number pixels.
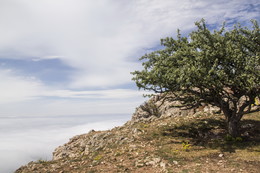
[{"x": 25, "y": 139}]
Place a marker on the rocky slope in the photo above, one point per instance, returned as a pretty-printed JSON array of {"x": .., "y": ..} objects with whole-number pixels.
[{"x": 154, "y": 140}]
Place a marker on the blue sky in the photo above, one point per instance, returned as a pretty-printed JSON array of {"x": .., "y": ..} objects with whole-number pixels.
[{"x": 69, "y": 57}]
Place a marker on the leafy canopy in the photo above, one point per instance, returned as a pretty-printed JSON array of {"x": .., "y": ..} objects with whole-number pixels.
[{"x": 220, "y": 67}]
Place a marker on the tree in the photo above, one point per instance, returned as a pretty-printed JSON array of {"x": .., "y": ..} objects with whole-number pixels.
[{"x": 221, "y": 68}]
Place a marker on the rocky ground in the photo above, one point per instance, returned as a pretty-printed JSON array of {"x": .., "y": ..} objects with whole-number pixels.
[{"x": 160, "y": 138}]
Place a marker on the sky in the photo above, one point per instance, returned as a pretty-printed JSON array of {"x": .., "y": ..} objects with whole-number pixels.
[{"x": 70, "y": 57}]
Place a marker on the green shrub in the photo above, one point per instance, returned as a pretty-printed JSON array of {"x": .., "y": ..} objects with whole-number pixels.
[
  {"x": 186, "y": 146},
  {"x": 98, "y": 157},
  {"x": 232, "y": 139}
]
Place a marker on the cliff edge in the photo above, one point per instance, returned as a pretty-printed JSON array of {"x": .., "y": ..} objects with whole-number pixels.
[{"x": 160, "y": 137}]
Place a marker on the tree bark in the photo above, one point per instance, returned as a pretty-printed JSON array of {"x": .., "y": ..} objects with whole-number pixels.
[{"x": 233, "y": 127}]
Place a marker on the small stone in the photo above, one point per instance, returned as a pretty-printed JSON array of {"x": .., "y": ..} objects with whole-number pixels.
[
  {"x": 34, "y": 168},
  {"x": 220, "y": 162},
  {"x": 221, "y": 155},
  {"x": 139, "y": 164},
  {"x": 175, "y": 162},
  {"x": 150, "y": 163},
  {"x": 156, "y": 160},
  {"x": 163, "y": 165},
  {"x": 132, "y": 146},
  {"x": 54, "y": 166},
  {"x": 136, "y": 131}
]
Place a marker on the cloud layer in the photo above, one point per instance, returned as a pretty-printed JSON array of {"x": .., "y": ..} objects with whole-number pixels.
[{"x": 36, "y": 138}]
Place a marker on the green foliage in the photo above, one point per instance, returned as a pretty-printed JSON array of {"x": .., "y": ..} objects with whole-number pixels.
[
  {"x": 98, "y": 157},
  {"x": 186, "y": 146},
  {"x": 229, "y": 138},
  {"x": 91, "y": 171},
  {"x": 257, "y": 102},
  {"x": 221, "y": 68},
  {"x": 43, "y": 162},
  {"x": 143, "y": 125}
]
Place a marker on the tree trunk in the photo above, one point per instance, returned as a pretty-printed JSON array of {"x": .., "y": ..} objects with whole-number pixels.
[{"x": 233, "y": 128}]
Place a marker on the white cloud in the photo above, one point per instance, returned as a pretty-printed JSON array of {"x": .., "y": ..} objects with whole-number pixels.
[
  {"x": 100, "y": 37},
  {"x": 15, "y": 88},
  {"x": 95, "y": 94},
  {"x": 27, "y": 96}
]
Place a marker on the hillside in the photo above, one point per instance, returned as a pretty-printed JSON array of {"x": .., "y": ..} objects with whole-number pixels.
[{"x": 160, "y": 138}]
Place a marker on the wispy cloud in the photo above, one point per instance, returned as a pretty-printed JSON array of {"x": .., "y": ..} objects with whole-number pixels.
[
  {"x": 28, "y": 96},
  {"x": 95, "y": 94}
]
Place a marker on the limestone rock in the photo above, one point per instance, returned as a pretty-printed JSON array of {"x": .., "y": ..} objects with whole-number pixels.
[{"x": 156, "y": 108}]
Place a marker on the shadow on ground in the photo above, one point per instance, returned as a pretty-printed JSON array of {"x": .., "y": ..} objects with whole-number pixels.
[{"x": 212, "y": 133}]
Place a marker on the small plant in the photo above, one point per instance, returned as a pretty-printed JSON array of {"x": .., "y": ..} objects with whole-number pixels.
[
  {"x": 42, "y": 161},
  {"x": 151, "y": 108},
  {"x": 91, "y": 171},
  {"x": 118, "y": 153},
  {"x": 239, "y": 139},
  {"x": 228, "y": 138},
  {"x": 186, "y": 146},
  {"x": 98, "y": 157},
  {"x": 232, "y": 139},
  {"x": 257, "y": 102},
  {"x": 174, "y": 151},
  {"x": 143, "y": 125}
]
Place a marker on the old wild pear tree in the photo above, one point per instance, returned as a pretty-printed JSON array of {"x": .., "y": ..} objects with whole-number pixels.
[{"x": 221, "y": 68}]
